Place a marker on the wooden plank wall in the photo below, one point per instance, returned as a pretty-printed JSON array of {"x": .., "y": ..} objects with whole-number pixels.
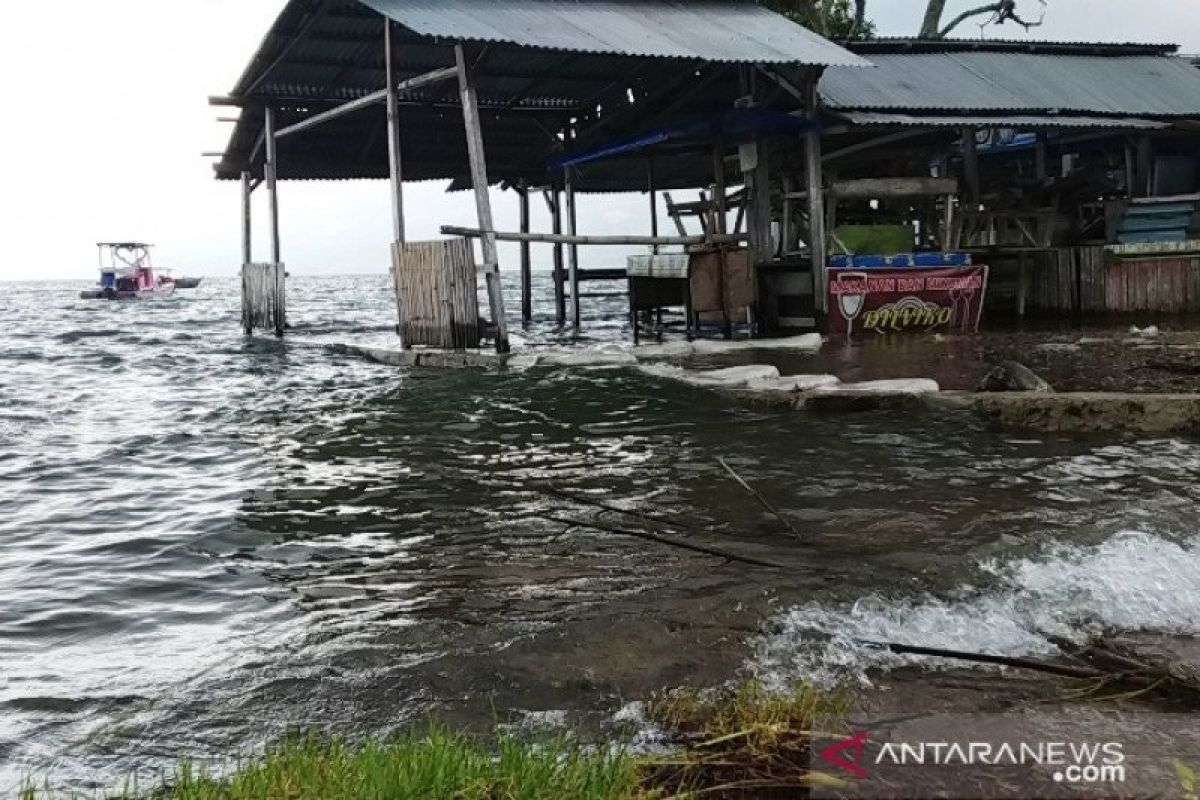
[
  {"x": 1167, "y": 285},
  {"x": 263, "y": 297},
  {"x": 1089, "y": 280},
  {"x": 437, "y": 293}
]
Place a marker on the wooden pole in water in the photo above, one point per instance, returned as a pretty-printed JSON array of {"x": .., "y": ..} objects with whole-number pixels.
[
  {"x": 816, "y": 194},
  {"x": 271, "y": 176},
  {"x": 247, "y": 251},
  {"x": 573, "y": 249},
  {"x": 560, "y": 300},
  {"x": 526, "y": 260},
  {"x": 395, "y": 164},
  {"x": 483, "y": 204}
]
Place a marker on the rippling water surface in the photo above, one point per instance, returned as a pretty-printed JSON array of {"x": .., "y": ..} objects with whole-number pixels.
[{"x": 206, "y": 540}]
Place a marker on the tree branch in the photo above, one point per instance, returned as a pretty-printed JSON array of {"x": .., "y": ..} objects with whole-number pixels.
[{"x": 991, "y": 8}]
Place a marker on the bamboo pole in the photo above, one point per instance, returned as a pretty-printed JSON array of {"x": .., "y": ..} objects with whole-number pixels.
[
  {"x": 588, "y": 240},
  {"x": 483, "y": 204}
]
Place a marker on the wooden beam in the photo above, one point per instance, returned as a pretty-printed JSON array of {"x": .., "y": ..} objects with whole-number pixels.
[
  {"x": 871, "y": 144},
  {"x": 894, "y": 187},
  {"x": 483, "y": 204},
  {"x": 568, "y": 239},
  {"x": 381, "y": 96},
  {"x": 395, "y": 164}
]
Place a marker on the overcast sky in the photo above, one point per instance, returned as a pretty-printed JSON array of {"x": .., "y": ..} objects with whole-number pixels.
[{"x": 106, "y": 118}]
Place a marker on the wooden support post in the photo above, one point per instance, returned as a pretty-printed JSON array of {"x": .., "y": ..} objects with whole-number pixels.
[
  {"x": 247, "y": 251},
  {"x": 560, "y": 297},
  {"x": 817, "y": 244},
  {"x": 1145, "y": 167},
  {"x": 573, "y": 249},
  {"x": 271, "y": 176},
  {"x": 526, "y": 260},
  {"x": 970, "y": 166},
  {"x": 483, "y": 204},
  {"x": 652, "y": 190},
  {"x": 393, "y": 122},
  {"x": 720, "y": 223}
]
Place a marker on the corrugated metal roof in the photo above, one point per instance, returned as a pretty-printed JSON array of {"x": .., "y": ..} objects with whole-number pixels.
[
  {"x": 706, "y": 30},
  {"x": 1046, "y": 47},
  {"x": 1151, "y": 86},
  {"x": 1019, "y": 121}
]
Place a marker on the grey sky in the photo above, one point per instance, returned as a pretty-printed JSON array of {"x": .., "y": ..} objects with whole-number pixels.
[{"x": 107, "y": 117}]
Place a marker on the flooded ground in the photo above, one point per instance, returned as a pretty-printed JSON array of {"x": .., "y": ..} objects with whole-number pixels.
[{"x": 208, "y": 540}]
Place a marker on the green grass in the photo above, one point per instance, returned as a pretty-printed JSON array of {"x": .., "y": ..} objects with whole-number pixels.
[
  {"x": 727, "y": 742},
  {"x": 431, "y": 764}
]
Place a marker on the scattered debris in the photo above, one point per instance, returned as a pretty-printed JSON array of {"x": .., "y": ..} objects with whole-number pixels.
[
  {"x": 1011, "y": 376},
  {"x": 762, "y": 500}
]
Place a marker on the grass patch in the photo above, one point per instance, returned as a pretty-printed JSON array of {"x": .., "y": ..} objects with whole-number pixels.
[
  {"x": 436, "y": 763},
  {"x": 733, "y": 743},
  {"x": 742, "y": 742}
]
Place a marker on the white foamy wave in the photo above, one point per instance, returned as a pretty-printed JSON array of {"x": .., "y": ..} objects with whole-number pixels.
[{"x": 1133, "y": 581}]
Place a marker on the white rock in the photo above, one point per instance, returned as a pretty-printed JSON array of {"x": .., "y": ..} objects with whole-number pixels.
[
  {"x": 795, "y": 383},
  {"x": 1147, "y": 333},
  {"x": 585, "y": 358},
  {"x": 729, "y": 377},
  {"x": 734, "y": 376},
  {"x": 902, "y": 386}
]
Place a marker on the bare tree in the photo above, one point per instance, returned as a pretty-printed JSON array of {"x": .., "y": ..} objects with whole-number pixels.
[{"x": 995, "y": 13}]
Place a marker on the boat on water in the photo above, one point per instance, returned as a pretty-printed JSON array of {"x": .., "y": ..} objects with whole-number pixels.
[{"x": 127, "y": 274}]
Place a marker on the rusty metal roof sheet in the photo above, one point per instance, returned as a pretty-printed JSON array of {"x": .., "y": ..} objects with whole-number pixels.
[
  {"x": 707, "y": 30},
  {"x": 1147, "y": 86}
]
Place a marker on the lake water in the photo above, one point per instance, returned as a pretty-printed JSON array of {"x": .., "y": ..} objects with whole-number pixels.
[{"x": 208, "y": 540}]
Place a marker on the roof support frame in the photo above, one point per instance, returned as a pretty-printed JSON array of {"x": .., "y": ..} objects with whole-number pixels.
[{"x": 435, "y": 76}]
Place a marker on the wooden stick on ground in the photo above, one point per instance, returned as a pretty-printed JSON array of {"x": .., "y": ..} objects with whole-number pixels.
[
  {"x": 654, "y": 537},
  {"x": 985, "y": 658},
  {"x": 786, "y": 522}
]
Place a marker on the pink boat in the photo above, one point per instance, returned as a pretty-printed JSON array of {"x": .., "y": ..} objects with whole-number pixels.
[{"x": 127, "y": 274}]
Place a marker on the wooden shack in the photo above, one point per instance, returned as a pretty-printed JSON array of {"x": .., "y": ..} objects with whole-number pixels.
[
  {"x": 473, "y": 94},
  {"x": 1077, "y": 165}
]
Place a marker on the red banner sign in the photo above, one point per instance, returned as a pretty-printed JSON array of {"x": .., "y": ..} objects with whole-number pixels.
[{"x": 909, "y": 299}]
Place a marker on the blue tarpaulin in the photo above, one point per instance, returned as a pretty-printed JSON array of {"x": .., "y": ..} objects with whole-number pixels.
[{"x": 734, "y": 126}]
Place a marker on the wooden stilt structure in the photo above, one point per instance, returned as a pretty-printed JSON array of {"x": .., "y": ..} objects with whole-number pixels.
[
  {"x": 263, "y": 286},
  {"x": 483, "y": 203}
]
